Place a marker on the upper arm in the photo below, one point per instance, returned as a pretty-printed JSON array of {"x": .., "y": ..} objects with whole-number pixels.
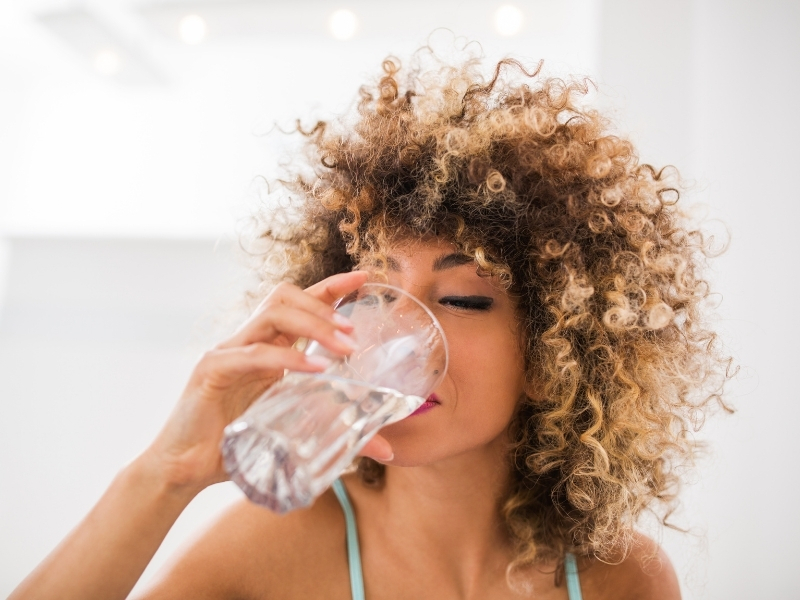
[
  {"x": 250, "y": 552},
  {"x": 213, "y": 564}
]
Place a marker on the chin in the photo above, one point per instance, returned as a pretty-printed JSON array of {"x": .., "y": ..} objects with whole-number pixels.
[
  {"x": 410, "y": 459},
  {"x": 414, "y": 449},
  {"x": 410, "y": 449}
]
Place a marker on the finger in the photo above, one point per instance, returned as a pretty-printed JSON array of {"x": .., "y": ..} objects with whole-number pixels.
[
  {"x": 378, "y": 448},
  {"x": 222, "y": 367},
  {"x": 256, "y": 328},
  {"x": 291, "y": 295},
  {"x": 293, "y": 323},
  {"x": 331, "y": 289}
]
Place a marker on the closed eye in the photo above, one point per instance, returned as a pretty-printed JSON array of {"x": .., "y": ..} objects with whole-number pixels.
[{"x": 478, "y": 303}]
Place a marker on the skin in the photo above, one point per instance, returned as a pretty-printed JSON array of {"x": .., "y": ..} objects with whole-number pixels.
[{"x": 432, "y": 530}]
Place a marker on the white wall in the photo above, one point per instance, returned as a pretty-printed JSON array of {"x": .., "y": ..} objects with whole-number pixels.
[
  {"x": 112, "y": 198},
  {"x": 710, "y": 86},
  {"x": 97, "y": 339},
  {"x": 88, "y": 155}
]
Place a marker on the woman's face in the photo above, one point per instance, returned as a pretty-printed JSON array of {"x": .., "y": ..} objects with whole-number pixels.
[{"x": 484, "y": 378}]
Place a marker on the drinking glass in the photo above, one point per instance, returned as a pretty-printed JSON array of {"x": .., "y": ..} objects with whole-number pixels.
[{"x": 298, "y": 437}]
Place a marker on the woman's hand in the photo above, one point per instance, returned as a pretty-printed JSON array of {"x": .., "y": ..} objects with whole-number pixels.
[
  {"x": 107, "y": 552},
  {"x": 232, "y": 375}
]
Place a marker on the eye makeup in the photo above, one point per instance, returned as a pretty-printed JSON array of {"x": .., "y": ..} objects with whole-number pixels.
[{"x": 477, "y": 303}]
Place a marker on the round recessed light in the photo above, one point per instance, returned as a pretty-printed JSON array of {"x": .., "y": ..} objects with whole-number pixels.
[
  {"x": 343, "y": 24},
  {"x": 192, "y": 29},
  {"x": 107, "y": 62},
  {"x": 508, "y": 20}
]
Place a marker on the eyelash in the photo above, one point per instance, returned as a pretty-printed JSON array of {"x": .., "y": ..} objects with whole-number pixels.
[{"x": 477, "y": 303}]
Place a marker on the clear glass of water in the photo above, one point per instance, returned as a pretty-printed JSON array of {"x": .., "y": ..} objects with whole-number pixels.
[{"x": 298, "y": 437}]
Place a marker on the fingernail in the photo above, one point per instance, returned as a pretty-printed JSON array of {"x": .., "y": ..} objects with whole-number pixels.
[
  {"x": 340, "y": 319},
  {"x": 318, "y": 361},
  {"x": 345, "y": 339}
]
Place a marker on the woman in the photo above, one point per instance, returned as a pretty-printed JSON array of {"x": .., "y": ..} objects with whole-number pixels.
[{"x": 568, "y": 285}]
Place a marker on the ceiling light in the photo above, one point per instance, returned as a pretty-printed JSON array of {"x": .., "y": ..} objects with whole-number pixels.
[
  {"x": 107, "y": 62},
  {"x": 508, "y": 20},
  {"x": 343, "y": 24},
  {"x": 192, "y": 29}
]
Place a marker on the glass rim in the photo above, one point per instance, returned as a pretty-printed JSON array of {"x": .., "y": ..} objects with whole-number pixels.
[{"x": 419, "y": 303}]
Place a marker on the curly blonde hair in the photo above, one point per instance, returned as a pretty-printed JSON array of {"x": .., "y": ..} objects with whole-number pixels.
[{"x": 605, "y": 268}]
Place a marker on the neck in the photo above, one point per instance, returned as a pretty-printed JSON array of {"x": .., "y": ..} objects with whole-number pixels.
[{"x": 448, "y": 512}]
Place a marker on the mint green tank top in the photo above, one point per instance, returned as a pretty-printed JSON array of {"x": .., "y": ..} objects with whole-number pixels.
[{"x": 354, "y": 553}]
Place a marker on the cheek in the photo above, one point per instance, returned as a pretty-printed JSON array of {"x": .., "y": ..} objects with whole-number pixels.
[
  {"x": 480, "y": 392},
  {"x": 487, "y": 375}
]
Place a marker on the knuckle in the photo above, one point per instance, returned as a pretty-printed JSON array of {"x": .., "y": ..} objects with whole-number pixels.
[
  {"x": 276, "y": 295},
  {"x": 283, "y": 289},
  {"x": 208, "y": 356},
  {"x": 267, "y": 304},
  {"x": 268, "y": 313},
  {"x": 206, "y": 363}
]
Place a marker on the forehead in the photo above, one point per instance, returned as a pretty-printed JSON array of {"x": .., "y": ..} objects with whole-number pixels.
[{"x": 434, "y": 254}]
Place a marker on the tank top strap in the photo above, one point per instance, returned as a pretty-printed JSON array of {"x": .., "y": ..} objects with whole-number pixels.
[
  {"x": 353, "y": 550},
  {"x": 571, "y": 575}
]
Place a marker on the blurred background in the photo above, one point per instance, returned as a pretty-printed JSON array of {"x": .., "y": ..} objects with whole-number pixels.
[{"x": 132, "y": 138}]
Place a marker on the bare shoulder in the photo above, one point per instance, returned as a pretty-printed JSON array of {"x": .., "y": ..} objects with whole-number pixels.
[
  {"x": 645, "y": 574},
  {"x": 250, "y": 552}
]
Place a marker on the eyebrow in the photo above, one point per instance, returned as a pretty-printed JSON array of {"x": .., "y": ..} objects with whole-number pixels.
[
  {"x": 449, "y": 261},
  {"x": 446, "y": 261}
]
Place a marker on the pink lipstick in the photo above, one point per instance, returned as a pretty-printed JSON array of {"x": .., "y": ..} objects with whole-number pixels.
[{"x": 431, "y": 402}]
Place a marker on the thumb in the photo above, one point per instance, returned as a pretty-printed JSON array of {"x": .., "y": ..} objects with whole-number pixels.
[{"x": 378, "y": 448}]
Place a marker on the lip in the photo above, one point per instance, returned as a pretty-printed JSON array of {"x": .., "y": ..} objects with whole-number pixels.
[{"x": 431, "y": 401}]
